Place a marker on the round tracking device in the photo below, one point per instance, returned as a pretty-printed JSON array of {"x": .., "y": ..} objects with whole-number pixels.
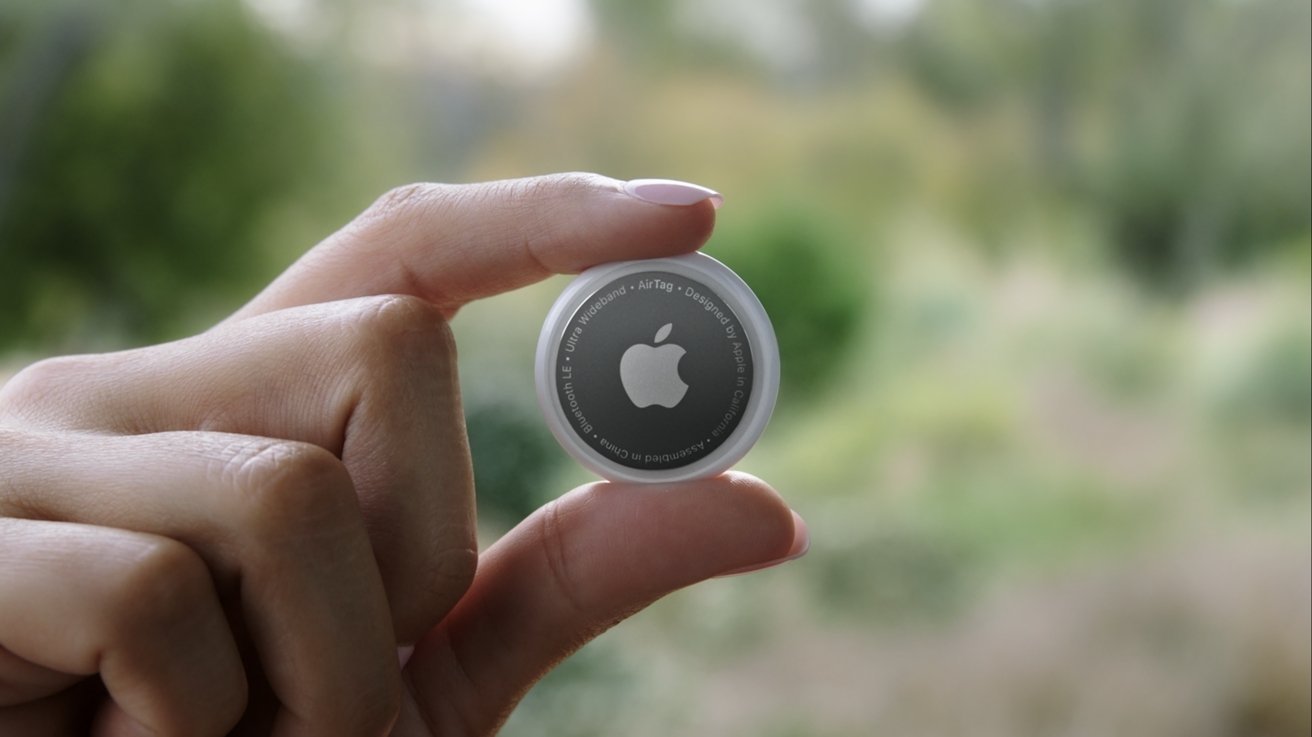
[{"x": 659, "y": 370}]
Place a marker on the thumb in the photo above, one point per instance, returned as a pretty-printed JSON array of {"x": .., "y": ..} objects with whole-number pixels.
[{"x": 573, "y": 569}]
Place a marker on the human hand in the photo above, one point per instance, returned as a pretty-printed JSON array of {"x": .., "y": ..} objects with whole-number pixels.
[{"x": 240, "y": 528}]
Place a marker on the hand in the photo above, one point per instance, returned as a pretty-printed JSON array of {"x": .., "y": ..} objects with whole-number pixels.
[{"x": 237, "y": 530}]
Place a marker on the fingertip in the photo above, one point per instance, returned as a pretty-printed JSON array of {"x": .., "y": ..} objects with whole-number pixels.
[
  {"x": 801, "y": 544},
  {"x": 672, "y": 192},
  {"x": 771, "y": 529},
  {"x": 620, "y": 227},
  {"x": 801, "y": 537},
  {"x": 731, "y": 522},
  {"x": 767, "y": 500},
  {"x": 747, "y": 489},
  {"x": 744, "y": 479}
]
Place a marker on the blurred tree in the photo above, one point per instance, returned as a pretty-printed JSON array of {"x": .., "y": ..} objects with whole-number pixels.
[
  {"x": 964, "y": 54},
  {"x": 513, "y": 456},
  {"x": 1182, "y": 125},
  {"x": 810, "y": 281},
  {"x": 144, "y": 146},
  {"x": 1208, "y": 159},
  {"x": 646, "y": 29}
]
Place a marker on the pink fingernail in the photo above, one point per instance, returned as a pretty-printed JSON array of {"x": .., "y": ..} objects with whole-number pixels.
[
  {"x": 403, "y": 653},
  {"x": 801, "y": 544},
  {"x": 672, "y": 192}
]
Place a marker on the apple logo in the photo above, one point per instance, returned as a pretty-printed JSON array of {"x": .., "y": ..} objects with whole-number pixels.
[{"x": 650, "y": 374}]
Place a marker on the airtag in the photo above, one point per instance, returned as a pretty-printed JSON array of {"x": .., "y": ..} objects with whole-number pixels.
[{"x": 658, "y": 370}]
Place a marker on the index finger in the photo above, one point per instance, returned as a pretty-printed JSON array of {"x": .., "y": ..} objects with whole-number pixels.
[{"x": 451, "y": 244}]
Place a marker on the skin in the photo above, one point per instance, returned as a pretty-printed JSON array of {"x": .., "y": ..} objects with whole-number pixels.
[{"x": 234, "y": 532}]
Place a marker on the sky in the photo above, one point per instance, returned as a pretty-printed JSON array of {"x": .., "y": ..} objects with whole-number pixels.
[{"x": 536, "y": 39}]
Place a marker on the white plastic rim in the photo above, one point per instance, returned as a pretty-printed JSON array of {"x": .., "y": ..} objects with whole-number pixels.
[{"x": 756, "y": 325}]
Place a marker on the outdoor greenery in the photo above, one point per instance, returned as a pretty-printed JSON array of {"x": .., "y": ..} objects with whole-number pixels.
[{"x": 1041, "y": 272}]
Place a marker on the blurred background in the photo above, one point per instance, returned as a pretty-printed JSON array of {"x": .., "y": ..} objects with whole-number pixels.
[{"x": 1040, "y": 271}]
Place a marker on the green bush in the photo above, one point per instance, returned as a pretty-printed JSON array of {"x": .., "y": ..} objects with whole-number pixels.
[
  {"x": 812, "y": 280},
  {"x": 158, "y": 142},
  {"x": 513, "y": 456}
]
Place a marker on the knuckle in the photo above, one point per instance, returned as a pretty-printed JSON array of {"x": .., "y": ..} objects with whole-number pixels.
[
  {"x": 399, "y": 331},
  {"x": 401, "y": 204},
  {"x": 453, "y": 570},
  {"x": 286, "y": 485},
  {"x": 425, "y": 592},
  {"x": 166, "y": 582},
  {"x": 427, "y": 563},
  {"x": 403, "y": 197},
  {"x": 568, "y": 184},
  {"x": 399, "y": 314},
  {"x": 453, "y": 557},
  {"x": 397, "y": 213},
  {"x": 443, "y": 580},
  {"x": 534, "y": 195},
  {"x": 536, "y": 202},
  {"x": 38, "y": 383},
  {"x": 14, "y": 446}
]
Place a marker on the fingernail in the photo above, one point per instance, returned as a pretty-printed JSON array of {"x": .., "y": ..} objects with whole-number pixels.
[
  {"x": 403, "y": 653},
  {"x": 801, "y": 544},
  {"x": 672, "y": 192}
]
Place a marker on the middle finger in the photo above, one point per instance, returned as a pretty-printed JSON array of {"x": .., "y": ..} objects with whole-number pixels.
[
  {"x": 372, "y": 380},
  {"x": 278, "y": 525}
]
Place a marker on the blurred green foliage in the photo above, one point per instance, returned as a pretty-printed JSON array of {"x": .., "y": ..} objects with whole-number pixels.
[
  {"x": 157, "y": 142},
  {"x": 512, "y": 454},
  {"x": 1273, "y": 386},
  {"x": 800, "y": 266},
  {"x": 1182, "y": 124}
]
